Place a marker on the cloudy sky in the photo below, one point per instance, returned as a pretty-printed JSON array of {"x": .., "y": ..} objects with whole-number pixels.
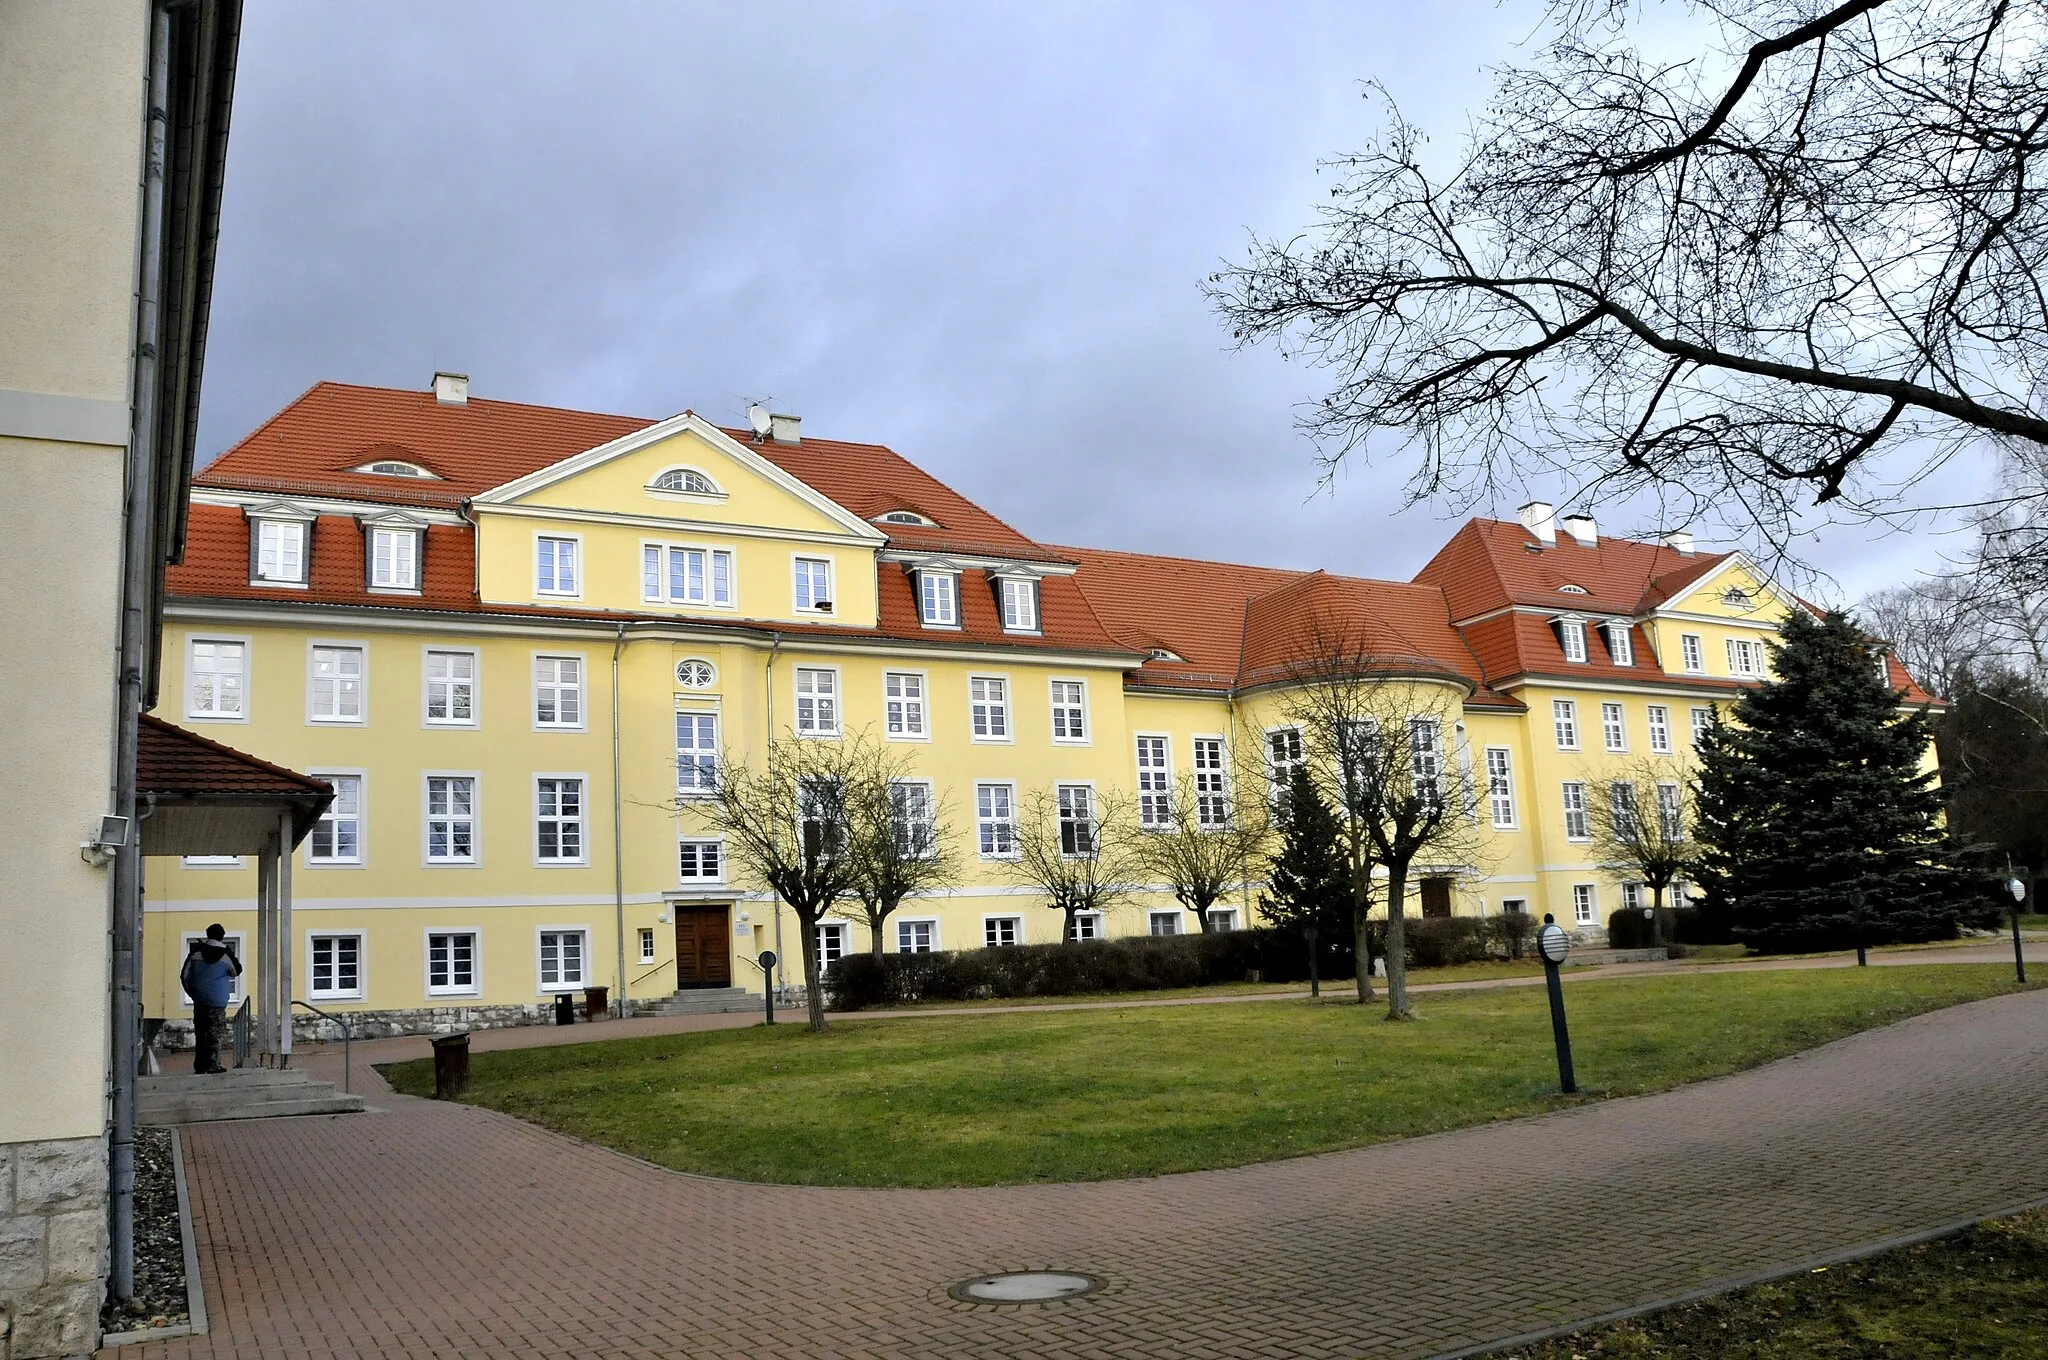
[{"x": 974, "y": 232}]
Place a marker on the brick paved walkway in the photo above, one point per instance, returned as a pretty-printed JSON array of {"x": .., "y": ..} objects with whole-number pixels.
[{"x": 443, "y": 1230}]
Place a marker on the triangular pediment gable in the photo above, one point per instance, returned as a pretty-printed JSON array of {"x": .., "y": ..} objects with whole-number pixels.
[
  {"x": 618, "y": 477},
  {"x": 1708, "y": 594}
]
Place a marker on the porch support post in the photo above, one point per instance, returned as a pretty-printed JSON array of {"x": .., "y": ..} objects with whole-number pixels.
[
  {"x": 266, "y": 954},
  {"x": 285, "y": 949}
]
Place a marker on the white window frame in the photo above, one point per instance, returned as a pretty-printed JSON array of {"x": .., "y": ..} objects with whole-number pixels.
[
  {"x": 1578, "y": 823},
  {"x": 698, "y": 845},
  {"x": 1063, "y": 800},
  {"x": 829, "y": 702},
  {"x": 581, "y": 821},
  {"x": 1631, "y": 895},
  {"x": 561, "y": 984},
  {"x": 355, "y": 993},
  {"x": 1658, "y": 717},
  {"x": 930, "y": 819},
  {"x": 1159, "y": 916},
  {"x": 841, "y": 932},
  {"x": 340, "y": 649},
  {"x": 1155, "y": 783},
  {"x": 1670, "y": 812},
  {"x": 994, "y": 711},
  {"x": 475, "y": 819},
  {"x": 938, "y": 598},
  {"x": 1621, "y": 649},
  {"x": 556, "y": 592},
  {"x": 415, "y": 541},
  {"x": 702, "y": 781},
  {"x": 1500, "y": 788},
  {"x": 654, "y": 487},
  {"x": 1624, "y": 823},
  {"x": 1223, "y": 920},
  {"x": 1702, "y": 718},
  {"x": 475, "y": 985},
  {"x": 328, "y": 817},
  {"x": 990, "y": 826},
  {"x": 1692, "y": 650},
  {"x": 902, "y": 708},
  {"x": 796, "y": 586},
  {"x": 1564, "y": 722},
  {"x": 1213, "y": 809},
  {"x": 931, "y": 942},
  {"x": 216, "y": 640},
  {"x": 240, "y": 941},
  {"x": 1069, "y": 713},
  {"x": 664, "y": 578},
  {"x": 647, "y": 946},
  {"x": 1586, "y": 904},
  {"x": 1514, "y": 906},
  {"x": 474, "y": 682},
  {"x": 992, "y": 925},
  {"x": 1571, "y": 636},
  {"x": 1614, "y": 726},
  {"x": 1094, "y": 920},
  {"x": 1280, "y": 769},
  {"x": 1741, "y": 653},
  {"x": 1024, "y": 590},
  {"x": 302, "y": 530},
  {"x": 581, "y": 690}
]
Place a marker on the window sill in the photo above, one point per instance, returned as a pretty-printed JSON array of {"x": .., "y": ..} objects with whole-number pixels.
[
  {"x": 280, "y": 585},
  {"x": 1073, "y": 741},
  {"x": 442, "y": 725},
  {"x": 334, "y": 864},
  {"x": 450, "y": 994},
  {"x": 568, "y": 988},
  {"x": 907, "y": 736},
  {"x": 339, "y": 998},
  {"x": 452, "y": 863},
  {"x": 413, "y": 591},
  {"x": 561, "y": 864},
  {"x": 217, "y": 717},
  {"x": 337, "y": 722},
  {"x": 994, "y": 741}
]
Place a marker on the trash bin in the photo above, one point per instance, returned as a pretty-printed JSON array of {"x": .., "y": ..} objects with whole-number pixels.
[
  {"x": 594, "y": 1001},
  {"x": 565, "y": 1009},
  {"x": 451, "y": 1065}
]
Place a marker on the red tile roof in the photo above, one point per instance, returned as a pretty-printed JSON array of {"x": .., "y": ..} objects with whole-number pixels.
[
  {"x": 172, "y": 762},
  {"x": 1490, "y": 564}
]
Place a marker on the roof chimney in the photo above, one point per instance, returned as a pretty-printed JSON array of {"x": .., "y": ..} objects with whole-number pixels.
[
  {"x": 1538, "y": 518},
  {"x": 785, "y": 429},
  {"x": 1582, "y": 530},
  {"x": 1679, "y": 541},
  {"x": 451, "y": 389}
]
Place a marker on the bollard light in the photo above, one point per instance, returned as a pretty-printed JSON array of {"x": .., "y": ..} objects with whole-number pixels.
[
  {"x": 1554, "y": 944},
  {"x": 2018, "y": 889},
  {"x": 767, "y": 962}
]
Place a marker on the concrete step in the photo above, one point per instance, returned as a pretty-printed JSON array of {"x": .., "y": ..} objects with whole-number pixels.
[
  {"x": 702, "y": 1001},
  {"x": 246, "y": 1093}
]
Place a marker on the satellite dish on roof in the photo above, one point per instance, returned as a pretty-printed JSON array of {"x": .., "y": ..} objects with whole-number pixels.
[{"x": 757, "y": 416}]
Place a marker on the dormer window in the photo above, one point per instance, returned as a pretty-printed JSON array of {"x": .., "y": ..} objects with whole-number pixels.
[
  {"x": 938, "y": 598},
  {"x": 1735, "y": 597},
  {"x": 1619, "y": 645},
  {"x": 278, "y": 537},
  {"x": 1571, "y": 635},
  {"x": 1572, "y": 590},
  {"x": 392, "y": 467},
  {"x": 1162, "y": 654},
  {"x": 685, "y": 481},
  {"x": 391, "y": 552},
  {"x": 1019, "y": 598},
  {"x": 905, "y": 517}
]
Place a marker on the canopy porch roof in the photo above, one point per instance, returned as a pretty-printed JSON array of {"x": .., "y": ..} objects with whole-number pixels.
[{"x": 206, "y": 798}]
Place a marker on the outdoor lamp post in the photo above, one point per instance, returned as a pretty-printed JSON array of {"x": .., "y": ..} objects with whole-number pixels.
[
  {"x": 2018, "y": 889},
  {"x": 1856, "y": 900},
  {"x": 768, "y": 981},
  {"x": 1553, "y": 944}
]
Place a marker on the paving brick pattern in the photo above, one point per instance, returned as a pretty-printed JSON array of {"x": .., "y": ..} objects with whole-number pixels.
[{"x": 441, "y": 1230}]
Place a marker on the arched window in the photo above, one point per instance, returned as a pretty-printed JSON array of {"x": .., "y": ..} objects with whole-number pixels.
[
  {"x": 685, "y": 479},
  {"x": 902, "y": 517},
  {"x": 391, "y": 467}
]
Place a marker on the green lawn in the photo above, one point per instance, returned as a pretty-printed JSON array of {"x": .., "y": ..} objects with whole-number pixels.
[
  {"x": 1087, "y": 1095},
  {"x": 1979, "y": 1294}
]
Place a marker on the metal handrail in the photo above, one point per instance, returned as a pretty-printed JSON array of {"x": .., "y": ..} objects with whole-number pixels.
[
  {"x": 346, "y": 1037},
  {"x": 652, "y": 971},
  {"x": 239, "y": 1029}
]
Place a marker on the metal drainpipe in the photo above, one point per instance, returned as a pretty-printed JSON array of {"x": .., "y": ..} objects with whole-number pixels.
[
  {"x": 775, "y": 899},
  {"x": 618, "y": 831},
  {"x": 138, "y": 564}
]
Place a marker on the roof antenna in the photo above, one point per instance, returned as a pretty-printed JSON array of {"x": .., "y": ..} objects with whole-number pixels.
[{"x": 757, "y": 416}]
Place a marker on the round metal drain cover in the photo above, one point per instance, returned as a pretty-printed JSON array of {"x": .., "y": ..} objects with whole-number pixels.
[{"x": 1029, "y": 1286}]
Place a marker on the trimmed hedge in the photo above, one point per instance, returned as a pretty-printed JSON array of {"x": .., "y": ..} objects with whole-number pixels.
[
  {"x": 1146, "y": 963},
  {"x": 1628, "y": 928}
]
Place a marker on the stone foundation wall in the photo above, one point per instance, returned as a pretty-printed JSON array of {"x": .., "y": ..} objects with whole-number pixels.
[
  {"x": 176, "y": 1035},
  {"x": 53, "y": 1247}
]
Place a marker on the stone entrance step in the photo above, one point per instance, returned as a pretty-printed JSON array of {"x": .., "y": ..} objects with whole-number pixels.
[
  {"x": 702, "y": 1001},
  {"x": 245, "y": 1093}
]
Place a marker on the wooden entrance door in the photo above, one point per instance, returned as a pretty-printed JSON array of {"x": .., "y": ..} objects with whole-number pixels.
[
  {"x": 1436, "y": 897},
  {"x": 703, "y": 947}
]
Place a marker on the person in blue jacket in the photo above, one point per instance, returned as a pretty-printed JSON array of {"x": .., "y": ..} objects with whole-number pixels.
[{"x": 208, "y": 977}]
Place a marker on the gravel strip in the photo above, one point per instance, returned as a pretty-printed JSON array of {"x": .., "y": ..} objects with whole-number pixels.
[{"x": 159, "y": 1249}]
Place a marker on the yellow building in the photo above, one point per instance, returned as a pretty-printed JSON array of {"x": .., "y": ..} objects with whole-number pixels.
[{"x": 517, "y": 640}]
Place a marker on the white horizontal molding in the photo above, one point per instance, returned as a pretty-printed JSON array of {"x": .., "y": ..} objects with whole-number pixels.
[
  {"x": 670, "y": 524},
  {"x": 323, "y": 505},
  {"x": 63, "y": 420},
  {"x": 227, "y": 904}
]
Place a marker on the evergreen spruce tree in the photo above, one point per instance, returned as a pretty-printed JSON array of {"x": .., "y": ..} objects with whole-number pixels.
[
  {"x": 1307, "y": 885},
  {"x": 1816, "y": 788}
]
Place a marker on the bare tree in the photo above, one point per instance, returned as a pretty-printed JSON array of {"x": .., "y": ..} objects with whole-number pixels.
[
  {"x": 1078, "y": 847},
  {"x": 897, "y": 838},
  {"x": 1640, "y": 828},
  {"x": 1199, "y": 842},
  {"x": 789, "y": 826},
  {"x": 1376, "y": 741},
  {"x": 1806, "y": 262}
]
